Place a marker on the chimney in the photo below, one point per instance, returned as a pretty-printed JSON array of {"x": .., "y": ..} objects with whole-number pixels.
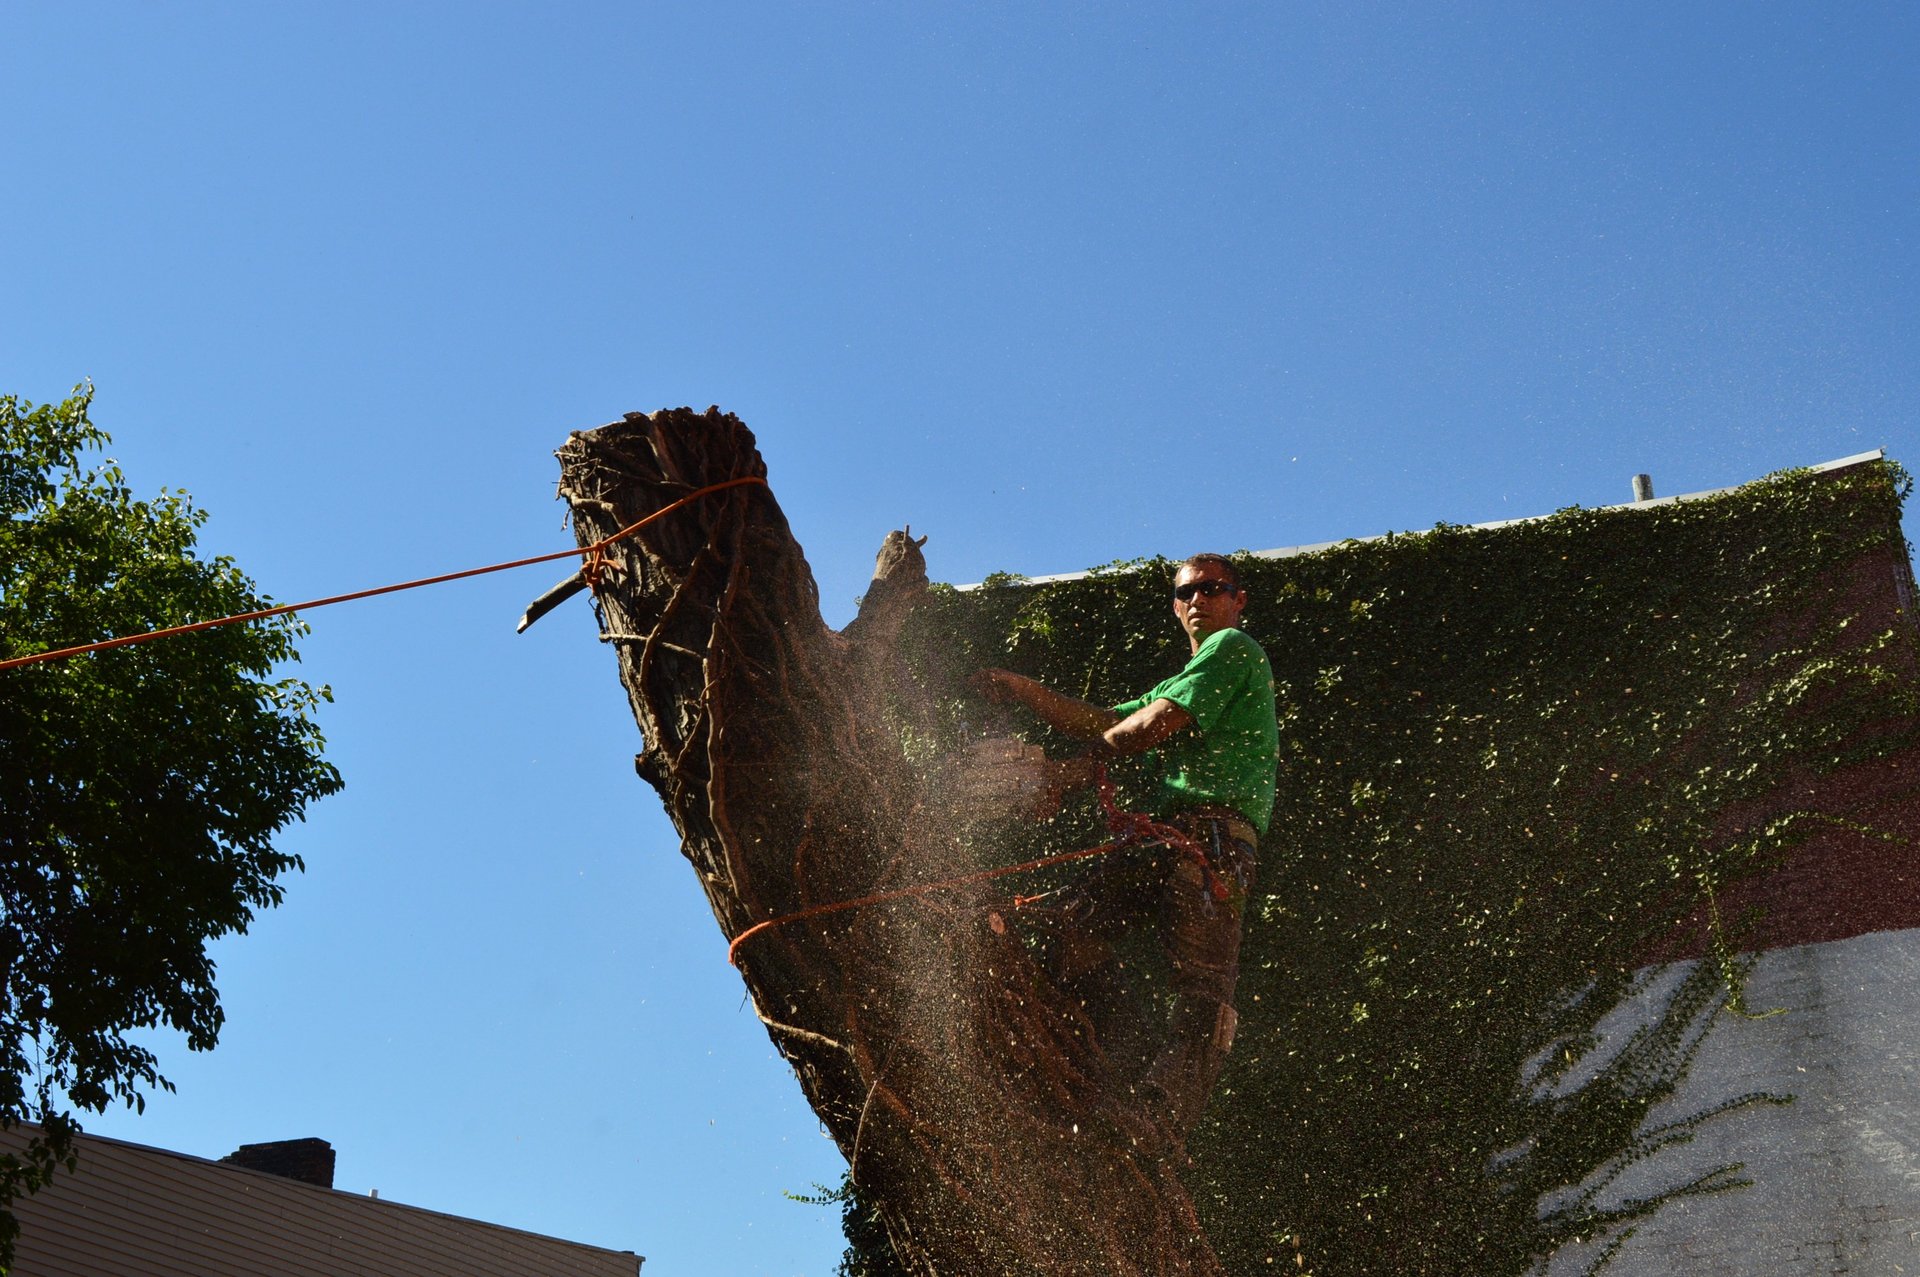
[{"x": 310, "y": 1160}]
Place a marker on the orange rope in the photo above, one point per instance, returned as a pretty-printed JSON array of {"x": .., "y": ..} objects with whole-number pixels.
[
  {"x": 1132, "y": 826},
  {"x": 595, "y": 562},
  {"x": 924, "y": 888}
]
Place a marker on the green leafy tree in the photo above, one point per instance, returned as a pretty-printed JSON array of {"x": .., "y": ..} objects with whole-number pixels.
[{"x": 140, "y": 788}]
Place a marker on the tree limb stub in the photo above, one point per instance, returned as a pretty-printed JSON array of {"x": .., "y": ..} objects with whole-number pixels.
[{"x": 1001, "y": 1140}]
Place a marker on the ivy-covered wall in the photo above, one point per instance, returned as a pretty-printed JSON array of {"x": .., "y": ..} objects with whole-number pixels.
[{"x": 1519, "y": 765}]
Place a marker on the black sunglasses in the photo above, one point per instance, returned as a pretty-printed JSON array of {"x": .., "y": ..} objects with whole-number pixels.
[{"x": 1209, "y": 587}]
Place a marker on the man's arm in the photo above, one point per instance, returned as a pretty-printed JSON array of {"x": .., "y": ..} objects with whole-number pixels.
[
  {"x": 1069, "y": 714},
  {"x": 1141, "y": 730},
  {"x": 1137, "y": 733},
  {"x": 1113, "y": 736}
]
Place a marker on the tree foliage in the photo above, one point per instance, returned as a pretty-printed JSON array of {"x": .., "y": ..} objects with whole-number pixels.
[
  {"x": 868, "y": 1253},
  {"x": 140, "y": 788}
]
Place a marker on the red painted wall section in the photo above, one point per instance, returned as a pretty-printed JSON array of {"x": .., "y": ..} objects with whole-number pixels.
[{"x": 1843, "y": 883}]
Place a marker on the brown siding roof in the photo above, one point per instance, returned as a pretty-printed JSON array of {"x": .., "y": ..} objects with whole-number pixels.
[{"x": 130, "y": 1209}]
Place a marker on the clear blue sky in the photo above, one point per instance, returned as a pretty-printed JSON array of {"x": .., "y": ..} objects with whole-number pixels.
[{"x": 1056, "y": 284}]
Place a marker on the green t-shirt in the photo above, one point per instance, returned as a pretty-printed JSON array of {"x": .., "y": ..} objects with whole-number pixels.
[{"x": 1229, "y": 755}]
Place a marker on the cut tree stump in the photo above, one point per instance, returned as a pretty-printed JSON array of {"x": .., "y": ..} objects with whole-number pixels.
[{"x": 966, "y": 1091}]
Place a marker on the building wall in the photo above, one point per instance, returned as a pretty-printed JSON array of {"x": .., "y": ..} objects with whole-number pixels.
[{"x": 1836, "y": 1173}]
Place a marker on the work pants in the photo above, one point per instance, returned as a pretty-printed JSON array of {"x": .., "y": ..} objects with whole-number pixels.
[{"x": 1199, "y": 935}]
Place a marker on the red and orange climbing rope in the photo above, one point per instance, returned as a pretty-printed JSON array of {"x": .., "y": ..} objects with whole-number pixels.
[{"x": 593, "y": 565}]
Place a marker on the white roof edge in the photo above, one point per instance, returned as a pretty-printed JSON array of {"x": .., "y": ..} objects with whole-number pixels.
[{"x": 1287, "y": 552}]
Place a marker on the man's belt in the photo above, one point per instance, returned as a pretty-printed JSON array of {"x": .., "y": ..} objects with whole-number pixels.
[{"x": 1232, "y": 822}]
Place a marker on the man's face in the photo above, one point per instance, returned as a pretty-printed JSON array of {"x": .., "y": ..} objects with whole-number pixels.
[{"x": 1210, "y": 604}]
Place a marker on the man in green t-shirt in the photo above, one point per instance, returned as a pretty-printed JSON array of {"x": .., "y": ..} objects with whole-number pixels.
[{"x": 1213, "y": 730}]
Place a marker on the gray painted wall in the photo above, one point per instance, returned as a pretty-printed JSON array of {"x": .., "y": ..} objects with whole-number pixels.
[{"x": 1837, "y": 1172}]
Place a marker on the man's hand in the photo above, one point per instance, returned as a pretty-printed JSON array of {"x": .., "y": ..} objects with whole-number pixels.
[
  {"x": 1061, "y": 776},
  {"x": 996, "y": 685}
]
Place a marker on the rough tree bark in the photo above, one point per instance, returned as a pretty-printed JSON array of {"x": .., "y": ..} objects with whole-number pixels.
[{"x": 964, "y": 1089}]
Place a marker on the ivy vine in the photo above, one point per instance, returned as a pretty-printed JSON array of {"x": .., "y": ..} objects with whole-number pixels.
[{"x": 1520, "y": 768}]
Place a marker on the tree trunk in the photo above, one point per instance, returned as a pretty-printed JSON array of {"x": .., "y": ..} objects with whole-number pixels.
[{"x": 964, "y": 1088}]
